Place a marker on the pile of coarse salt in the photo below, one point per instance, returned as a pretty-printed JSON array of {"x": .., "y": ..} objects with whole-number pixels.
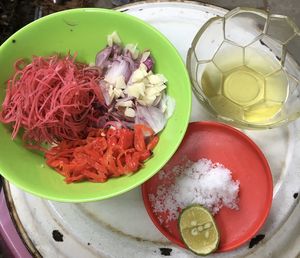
[{"x": 202, "y": 182}]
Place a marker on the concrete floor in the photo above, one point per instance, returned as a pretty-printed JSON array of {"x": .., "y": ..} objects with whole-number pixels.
[{"x": 286, "y": 7}]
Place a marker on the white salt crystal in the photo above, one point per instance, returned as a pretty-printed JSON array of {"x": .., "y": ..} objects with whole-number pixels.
[{"x": 202, "y": 182}]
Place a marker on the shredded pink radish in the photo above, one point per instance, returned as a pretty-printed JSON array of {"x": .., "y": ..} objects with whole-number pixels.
[{"x": 52, "y": 99}]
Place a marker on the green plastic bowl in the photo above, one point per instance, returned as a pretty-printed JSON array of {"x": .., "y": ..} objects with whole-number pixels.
[{"x": 85, "y": 31}]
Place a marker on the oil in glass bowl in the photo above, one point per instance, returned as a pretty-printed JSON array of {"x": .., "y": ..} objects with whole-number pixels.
[
  {"x": 245, "y": 88},
  {"x": 245, "y": 68}
]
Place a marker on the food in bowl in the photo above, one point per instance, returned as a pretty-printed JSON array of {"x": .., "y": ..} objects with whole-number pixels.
[
  {"x": 85, "y": 31},
  {"x": 103, "y": 118},
  {"x": 105, "y": 153}
]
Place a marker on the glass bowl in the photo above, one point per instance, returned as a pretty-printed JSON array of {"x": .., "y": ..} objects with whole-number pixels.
[{"x": 244, "y": 68}]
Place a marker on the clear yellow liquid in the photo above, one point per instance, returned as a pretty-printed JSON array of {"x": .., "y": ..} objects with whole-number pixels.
[{"x": 251, "y": 89}]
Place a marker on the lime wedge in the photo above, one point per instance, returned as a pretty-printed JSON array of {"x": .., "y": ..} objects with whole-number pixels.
[{"x": 198, "y": 230}]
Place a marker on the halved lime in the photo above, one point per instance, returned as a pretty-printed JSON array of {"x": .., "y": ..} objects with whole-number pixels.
[{"x": 198, "y": 230}]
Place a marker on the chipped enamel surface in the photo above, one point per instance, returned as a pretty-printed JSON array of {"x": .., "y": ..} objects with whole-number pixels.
[{"x": 120, "y": 227}]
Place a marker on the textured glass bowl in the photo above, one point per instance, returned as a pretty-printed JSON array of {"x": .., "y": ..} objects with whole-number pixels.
[{"x": 234, "y": 38}]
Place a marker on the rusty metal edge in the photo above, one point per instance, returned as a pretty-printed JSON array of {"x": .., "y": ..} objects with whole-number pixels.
[{"x": 17, "y": 222}]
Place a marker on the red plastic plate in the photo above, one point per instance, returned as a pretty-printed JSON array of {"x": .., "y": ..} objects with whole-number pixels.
[{"x": 230, "y": 147}]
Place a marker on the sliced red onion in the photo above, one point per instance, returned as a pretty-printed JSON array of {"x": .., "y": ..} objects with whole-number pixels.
[
  {"x": 105, "y": 92},
  {"x": 167, "y": 105},
  {"x": 115, "y": 62},
  {"x": 133, "y": 65},
  {"x": 102, "y": 57},
  {"x": 116, "y": 51},
  {"x": 102, "y": 121},
  {"x": 151, "y": 116},
  {"x": 157, "y": 101},
  {"x": 117, "y": 69},
  {"x": 149, "y": 62},
  {"x": 128, "y": 124},
  {"x": 127, "y": 53},
  {"x": 144, "y": 56}
]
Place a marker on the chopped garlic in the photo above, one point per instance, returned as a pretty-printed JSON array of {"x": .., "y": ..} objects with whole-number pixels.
[
  {"x": 127, "y": 103},
  {"x": 145, "y": 86},
  {"x": 120, "y": 83},
  {"x": 157, "y": 79},
  {"x": 129, "y": 112},
  {"x": 155, "y": 90},
  {"x": 143, "y": 67},
  {"x": 113, "y": 38},
  {"x": 118, "y": 93},
  {"x": 133, "y": 50},
  {"x": 147, "y": 100},
  {"x": 145, "y": 56},
  {"x": 136, "y": 90},
  {"x": 145, "y": 81},
  {"x": 163, "y": 106},
  {"x": 139, "y": 74},
  {"x": 111, "y": 91}
]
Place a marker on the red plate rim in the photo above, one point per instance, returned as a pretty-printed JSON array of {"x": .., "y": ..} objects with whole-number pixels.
[{"x": 265, "y": 164}]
